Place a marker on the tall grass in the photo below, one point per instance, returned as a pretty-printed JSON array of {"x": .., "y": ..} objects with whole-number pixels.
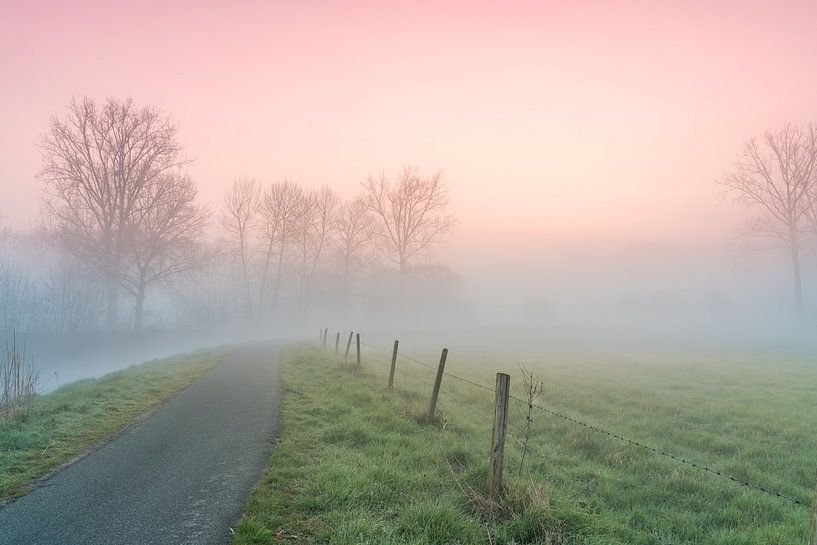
[{"x": 18, "y": 383}]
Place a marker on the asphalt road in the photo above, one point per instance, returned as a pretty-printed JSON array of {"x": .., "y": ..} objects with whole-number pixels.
[{"x": 182, "y": 476}]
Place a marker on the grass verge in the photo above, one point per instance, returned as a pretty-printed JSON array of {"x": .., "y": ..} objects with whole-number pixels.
[
  {"x": 355, "y": 465},
  {"x": 66, "y": 423}
]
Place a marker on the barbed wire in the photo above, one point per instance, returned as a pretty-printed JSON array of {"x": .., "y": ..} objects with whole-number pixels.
[
  {"x": 602, "y": 431},
  {"x": 531, "y": 447}
]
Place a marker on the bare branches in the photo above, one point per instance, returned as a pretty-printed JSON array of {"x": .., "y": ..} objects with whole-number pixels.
[
  {"x": 777, "y": 176},
  {"x": 411, "y": 214},
  {"x": 282, "y": 208},
  {"x": 165, "y": 242},
  {"x": 100, "y": 167},
  {"x": 241, "y": 207},
  {"x": 533, "y": 389},
  {"x": 354, "y": 228}
]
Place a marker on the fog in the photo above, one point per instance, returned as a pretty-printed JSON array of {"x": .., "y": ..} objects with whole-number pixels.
[{"x": 570, "y": 179}]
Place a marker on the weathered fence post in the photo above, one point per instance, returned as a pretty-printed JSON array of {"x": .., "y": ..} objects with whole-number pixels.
[
  {"x": 348, "y": 346},
  {"x": 503, "y": 388},
  {"x": 337, "y": 342},
  {"x": 432, "y": 406},
  {"x": 812, "y": 524},
  {"x": 357, "y": 342},
  {"x": 393, "y": 365}
]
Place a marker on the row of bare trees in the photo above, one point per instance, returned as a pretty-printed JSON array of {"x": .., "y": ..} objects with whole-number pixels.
[
  {"x": 282, "y": 223},
  {"x": 118, "y": 202},
  {"x": 776, "y": 176}
]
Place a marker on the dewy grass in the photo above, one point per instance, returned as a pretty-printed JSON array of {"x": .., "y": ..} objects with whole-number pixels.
[
  {"x": 65, "y": 423},
  {"x": 356, "y": 465}
]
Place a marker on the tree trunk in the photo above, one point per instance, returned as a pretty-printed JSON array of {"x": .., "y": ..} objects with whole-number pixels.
[
  {"x": 264, "y": 274},
  {"x": 247, "y": 284},
  {"x": 277, "y": 284},
  {"x": 111, "y": 301},
  {"x": 798, "y": 284},
  {"x": 137, "y": 313},
  {"x": 403, "y": 271}
]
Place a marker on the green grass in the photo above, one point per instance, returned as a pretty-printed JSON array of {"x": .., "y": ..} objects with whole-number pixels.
[
  {"x": 356, "y": 466},
  {"x": 67, "y": 422}
]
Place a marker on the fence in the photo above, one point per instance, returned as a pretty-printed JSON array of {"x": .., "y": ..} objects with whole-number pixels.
[{"x": 499, "y": 431}]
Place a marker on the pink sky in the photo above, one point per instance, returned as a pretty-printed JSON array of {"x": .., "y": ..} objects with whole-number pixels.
[{"x": 592, "y": 121}]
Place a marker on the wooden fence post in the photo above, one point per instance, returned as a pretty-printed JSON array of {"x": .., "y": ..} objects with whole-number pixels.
[
  {"x": 503, "y": 389},
  {"x": 348, "y": 346},
  {"x": 432, "y": 406},
  {"x": 357, "y": 341},
  {"x": 812, "y": 524},
  {"x": 326, "y": 337},
  {"x": 393, "y": 365},
  {"x": 337, "y": 342}
]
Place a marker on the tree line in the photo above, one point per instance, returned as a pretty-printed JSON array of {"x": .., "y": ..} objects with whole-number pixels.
[{"x": 122, "y": 219}]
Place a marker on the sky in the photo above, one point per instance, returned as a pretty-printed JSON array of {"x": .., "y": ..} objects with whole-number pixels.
[{"x": 568, "y": 131}]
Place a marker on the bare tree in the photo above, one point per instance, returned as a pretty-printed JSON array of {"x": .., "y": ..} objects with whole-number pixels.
[
  {"x": 166, "y": 240},
  {"x": 282, "y": 207},
  {"x": 304, "y": 245},
  {"x": 72, "y": 300},
  {"x": 316, "y": 228},
  {"x": 776, "y": 176},
  {"x": 19, "y": 300},
  {"x": 354, "y": 226},
  {"x": 241, "y": 207},
  {"x": 97, "y": 165},
  {"x": 411, "y": 213},
  {"x": 533, "y": 388}
]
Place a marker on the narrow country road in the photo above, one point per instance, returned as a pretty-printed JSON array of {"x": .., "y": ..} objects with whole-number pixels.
[{"x": 181, "y": 476}]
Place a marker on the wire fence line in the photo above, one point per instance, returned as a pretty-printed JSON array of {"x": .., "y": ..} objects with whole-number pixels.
[
  {"x": 596, "y": 429},
  {"x": 659, "y": 540}
]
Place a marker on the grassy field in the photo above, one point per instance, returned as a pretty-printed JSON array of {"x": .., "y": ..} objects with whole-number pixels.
[
  {"x": 67, "y": 422},
  {"x": 355, "y": 465}
]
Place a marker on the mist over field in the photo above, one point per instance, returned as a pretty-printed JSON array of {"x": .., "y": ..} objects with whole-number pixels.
[
  {"x": 584, "y": 178},
  {"x": 408, "y": 273}
]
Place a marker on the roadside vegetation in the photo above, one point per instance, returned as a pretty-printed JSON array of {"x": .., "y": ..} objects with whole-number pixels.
[
  {"x": 57, "y": 427},
  {"x": 356, "y": 464}
]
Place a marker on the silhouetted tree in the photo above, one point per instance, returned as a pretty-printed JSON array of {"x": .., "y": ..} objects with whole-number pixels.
[
  {"x": 241, "y": 206},
  {"x": 167, "y": 239},
  {"x": 282, "y": 207},
  {"x": 71, "y": 299},
  {"x": 98, "y": 165},
  {"x": 410, "y": 214},
  {"x": 776, "y": 175},
  {"x": 316, "y": 226},
  {"x": 354, "y": 228}
]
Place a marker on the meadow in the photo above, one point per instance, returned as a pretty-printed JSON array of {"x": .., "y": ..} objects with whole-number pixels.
[{"x": 356, "y": 463}]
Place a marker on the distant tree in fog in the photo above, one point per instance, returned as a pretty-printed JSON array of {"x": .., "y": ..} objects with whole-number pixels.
[
  {"x": 19, "y": 300},
  {"x": 283, "y": 205},
  {"x": 777, "y": 176},
  {"x": 410, "y": 213},
  {"x": 166, "y": 241},
  {"x": 354, "y": 224},
  {"x": 241, "y": 205},
  {"x": 71, "y": 299},
  {"x": 316, "y": 225},
  {"x": 99, "y": 164}
]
